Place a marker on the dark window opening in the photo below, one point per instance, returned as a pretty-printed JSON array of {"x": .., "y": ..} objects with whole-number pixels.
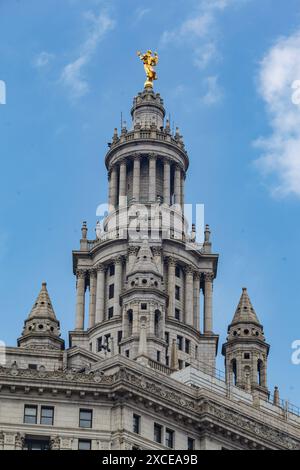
[
  {"x": 111, "y": 292},
  {"x": 136, "y": 424},
  {"x": 169, "y": 438},
  {"x": 157, "y": 433}
]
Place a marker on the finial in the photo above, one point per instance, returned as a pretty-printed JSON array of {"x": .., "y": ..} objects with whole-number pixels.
[
  {"x": 276, "y": 399},
  {"x": 149, "y": 61},
  {"x": 44, "y": 285},
  {"x": 115, "y": 136},
  {"x": 84, "y": 230},
  {"x": 244, "y": 289},
  {"x": 193, "y": 233},
  {"x": 207, "y": 233}
]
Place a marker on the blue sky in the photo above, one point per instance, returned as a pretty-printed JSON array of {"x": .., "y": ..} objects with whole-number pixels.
[{"x": 226, "y": 73}]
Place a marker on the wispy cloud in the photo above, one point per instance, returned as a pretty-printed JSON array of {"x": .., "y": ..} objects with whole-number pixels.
[
  {"x": 72, "y": 75},
  {"x": 199, "y": 31},
  {"x": 214, "y": 93},
  {"x": 280, "y": 158},
  {"x": 43, "y": 59},
  {"x": 140, "y": 13}
]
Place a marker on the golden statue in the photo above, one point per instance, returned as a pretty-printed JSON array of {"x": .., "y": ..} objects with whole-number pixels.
[{"x": 149, "y": 61}]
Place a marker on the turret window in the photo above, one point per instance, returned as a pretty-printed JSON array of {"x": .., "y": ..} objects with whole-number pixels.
[
  {"x": 177, "y": 292},
  {"x": 187, "y": 346},
  {"x": 144, "y": 306},
  {"x": 180, "y": 342},
  {"x": 178, "y": 272},
  {"x": 247, "y": 356}
]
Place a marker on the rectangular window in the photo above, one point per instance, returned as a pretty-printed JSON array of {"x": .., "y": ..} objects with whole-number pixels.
[
  {"x": 47, "y": 415},
  {"x": 158, "y": 356},
  {"x": 127, "y": 353},
  {"x": 177, "y": 314},
  {"x": 111, "y": 291},
  {"x": 167, "y": 337},
  {"x": 37, "y": 444},
  {"x": 177, "y": 271},
  {"x": 180, "y": 364},
  {"x": 110, "y": 312},
  {"x": 143, "y": 306},
  {"x": 187, "y": 346},
  {"x": 112, "y": 270},
  {"x": 169, "y": 438},
  {"x": 120, "y": 333},
  {"x": 247, "y": 356},
  {"x": 177, "y": 292},
  {"x": 191, "y": 444},
  {"x": 84, "y": 444},
  {"x": 167, "y": 361},
  {"x": 91, "y": 346},
  {"x": 85, "y": 418},
  {"x": 136, "y": 424},
  {"x": 157, "y": 433},
  {"x": 32, "y": 366},
  {"x": 30, "y": 414},
  {"x": 180, "y": 342}
]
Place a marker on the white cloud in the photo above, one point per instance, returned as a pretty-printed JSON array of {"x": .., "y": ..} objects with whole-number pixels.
[
  {"x": 277, "y": 84},
  {"x": 43, "y": 59},
  {"x": 204, "y": 55},
  {"x": 214, "y": 92},
  {"x": 72, "y": 74},
  {"x": 140, "y": 13}
]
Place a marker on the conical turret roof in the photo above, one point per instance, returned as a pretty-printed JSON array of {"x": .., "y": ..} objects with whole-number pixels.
[
  {"x": 245, "y": 311},
  {"x": 42, "y": 307}
]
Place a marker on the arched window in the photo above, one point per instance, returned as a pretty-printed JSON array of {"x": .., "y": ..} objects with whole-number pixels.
[{"x": 234, "y": 371}]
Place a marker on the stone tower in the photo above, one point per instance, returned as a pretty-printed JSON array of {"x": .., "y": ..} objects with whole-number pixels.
[
  {"x": 246, "y": 350},
  {"x": 145, "y": 272},
  {"x": 41, "y": 329}
]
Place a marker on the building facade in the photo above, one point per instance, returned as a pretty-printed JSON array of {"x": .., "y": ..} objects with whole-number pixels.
[{"x": 139, "y": 371}]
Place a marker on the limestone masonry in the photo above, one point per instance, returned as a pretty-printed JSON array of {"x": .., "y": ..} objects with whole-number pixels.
[{"x": 139, "y": 372}]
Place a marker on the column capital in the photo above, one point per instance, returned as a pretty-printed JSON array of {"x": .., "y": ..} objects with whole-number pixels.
[
  {"x": 137, "y": 156},
  {"x": 93, "y": 273},
  {"x": 157, "y": 250},
  {"x": 123, "y": 161},
  {"x": 81, "y": 273},
  {"x": 171, "y": 261},
  {"x": 188, "y": 269},
  {"x": 133, "y": 250},
  {"x": 118, "y": 260},
  {"x": 153, "y": 156},
  {"x": 197, "y": 275},
  {"x": 100, "y": 267},
  {"x": 208, "y": 277}
]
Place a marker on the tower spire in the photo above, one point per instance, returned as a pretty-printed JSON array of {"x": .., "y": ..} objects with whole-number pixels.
[
  {"x": 41, "y": 329},
  {"x": 246, "y": 350}
]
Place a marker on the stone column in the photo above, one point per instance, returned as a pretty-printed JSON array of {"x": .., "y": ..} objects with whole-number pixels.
[
  {"x": 208, "y": 291},
  {"x": 118, "y": 286},
  {"x": 189, "y": 296},
  {"x": 122, "y": 184},
  {"x": 177, "y": 185},
  {"x": 135, "y": 319},
  {"x": 182, "y": 190},
  {"x": 152, "y": 178},
  {"x": 197, "y": 301},
  {"x": 136, "y": 177},
  {"x": 100, "y": 296},
  {"x": 80, "y": 303},
  {"x": 167, "y": 182},
  {"x": 92, "y": 306},
  {"x": 171, "y": 287},
  {"x": 113, "y": 188}
]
